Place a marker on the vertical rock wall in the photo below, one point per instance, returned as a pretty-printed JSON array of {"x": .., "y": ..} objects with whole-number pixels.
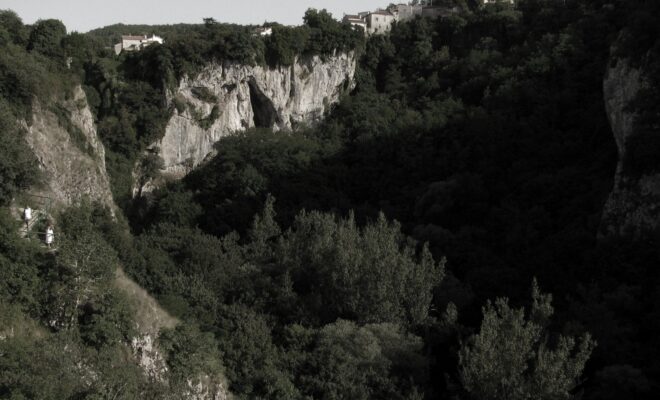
[
  {"x": 244, "y": 97},
  {"x": 71, "y": 156}
]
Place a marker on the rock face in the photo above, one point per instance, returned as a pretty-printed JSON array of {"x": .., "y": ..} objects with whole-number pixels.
[
  {"x": 231, "y": 97},
  {"x": 70, "y": 153},
  {"x": 634, "y": 204}
]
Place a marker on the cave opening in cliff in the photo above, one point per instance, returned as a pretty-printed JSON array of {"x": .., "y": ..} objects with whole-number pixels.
[{"x": 265, "y": 114}]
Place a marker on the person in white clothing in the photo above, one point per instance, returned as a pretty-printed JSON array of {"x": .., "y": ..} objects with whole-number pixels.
[
  {"x": 27, "y": 216},
  {"x": 50, "y": 235}
]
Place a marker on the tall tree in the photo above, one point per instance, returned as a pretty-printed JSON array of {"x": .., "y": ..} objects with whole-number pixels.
[
  {"x": 372, "y": 274},
  {"x": 46, "y": 37},
  {"x": 512, "y": 358}
]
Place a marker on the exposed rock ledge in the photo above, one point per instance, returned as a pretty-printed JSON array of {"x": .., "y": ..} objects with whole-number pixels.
[{"x": 249, "y": 96}]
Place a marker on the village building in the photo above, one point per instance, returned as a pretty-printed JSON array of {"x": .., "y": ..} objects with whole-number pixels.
[
  {"x": 136, "y": 43},
  {"x": 264, "y": 31},
  {"x": 405, "y": 12},
  {"x": 380, "y": 21}
]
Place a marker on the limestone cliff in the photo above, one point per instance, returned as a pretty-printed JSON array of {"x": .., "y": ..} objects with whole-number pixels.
[
  {"x": 64, "y": 139},
  {"x": 634, "y": 204},
  {"x": 229, "y": 97}
]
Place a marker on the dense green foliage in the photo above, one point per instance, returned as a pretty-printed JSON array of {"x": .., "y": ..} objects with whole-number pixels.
[
  {"x": 305, "y": 284},
  {"x": 64, "y": 326},
  {"x": 18, "y": 169},
  {"x": 483, "y": 134}
]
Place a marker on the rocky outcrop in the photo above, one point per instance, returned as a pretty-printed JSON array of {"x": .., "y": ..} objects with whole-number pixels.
[
  {"x": 150, "y": 319},
  {"x": 63, "y": 137},
  {"x": 229, "y": 97},
  {"x": 205, "y": 388},
  {"x": 634, "y": 204}
]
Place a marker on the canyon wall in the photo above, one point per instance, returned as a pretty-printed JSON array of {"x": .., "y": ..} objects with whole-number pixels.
[{"x": 227, "y": 97}]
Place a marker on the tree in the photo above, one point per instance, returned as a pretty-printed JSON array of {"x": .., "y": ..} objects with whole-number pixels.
[
  {"x": 371, "y": 275},
  {"x": 150, "y": 169},
  {"x": 18, "y": 166},
  {"x": 13, "y": 26},
  {"x": 19, "y": 273},
  {"x": 353, "y": 362},
  {"x": 250, "y": 356},
  {"x": 511, "y": 358},
  {"x": 82, "y": 270},
  {"x": 190, "y": 354},
  {"x": 285, "y": 44},
  {"x": 178, "y": 208},
  {"x": 46, "y": 38},
  {"x": 318, "y": 19},
  {"x": 34, "y": 368},
  {"x": 264, "y": 230}
]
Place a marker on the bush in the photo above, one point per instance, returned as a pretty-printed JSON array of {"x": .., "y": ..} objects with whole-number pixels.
[
  {"x": 204, "y": 94},
  {"x": 46, "y": 38}
]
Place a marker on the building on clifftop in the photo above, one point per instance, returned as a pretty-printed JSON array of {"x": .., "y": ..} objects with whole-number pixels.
[
  {"x": 380, "y": 21},
  {"x": 136, "y": 43}
]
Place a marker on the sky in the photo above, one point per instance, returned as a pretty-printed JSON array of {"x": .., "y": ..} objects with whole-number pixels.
[{"x": 84, "y": 15}]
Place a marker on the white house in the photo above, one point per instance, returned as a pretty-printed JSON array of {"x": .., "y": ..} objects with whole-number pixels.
[
  {"x": 264, "y": 31},
  {"x": 379, "y": 22},
  {"x": 136, "y": 43}
]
